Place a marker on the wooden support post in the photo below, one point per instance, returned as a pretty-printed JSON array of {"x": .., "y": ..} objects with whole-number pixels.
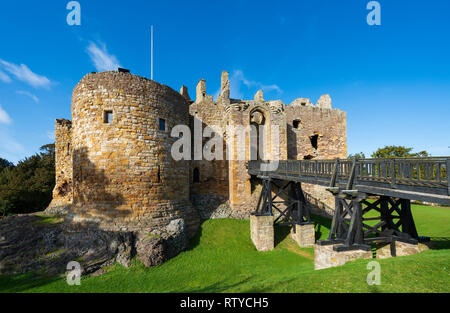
[
  {"x": 264, "y": 199},
  {"x": 393, "y": 175},
  {"x": 407, "y": 220},
  {"x": 448, "y": 176},
  {"x": 351, "y": 230},
  {"x": 299, "y": 213},
  {"x": 351, "y": 176},
  {"x": 269, "y": 195},
  {"x": 336, "y": 217},
  {"x": 335, "y": 174},
  {"x": 306, "y": 214},
  {"x": 258, "y": 210},
  {"x": 357, "y": 210},
  {"x": 384, "y": 212}
]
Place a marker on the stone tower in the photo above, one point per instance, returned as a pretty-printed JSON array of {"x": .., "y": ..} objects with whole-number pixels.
[
  {"x": 123, "y": 175},
  {"x": 114, "y": 165}
]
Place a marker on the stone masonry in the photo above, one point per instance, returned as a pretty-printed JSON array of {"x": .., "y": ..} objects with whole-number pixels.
[
  {"x": 63, "y": 191},
  {"x": 261, "y": 232},
  {"x": 306, "y": 131},
  {"x": 401, "y": 249},
  {"x": 115, "y": 171},
  {"x": 325, "y": 256},
  {"x": 123, "y": 173},
  {"x": 304, "y": 235}
]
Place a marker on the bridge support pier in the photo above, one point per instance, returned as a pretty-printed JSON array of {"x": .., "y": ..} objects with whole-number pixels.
[
  {"x": 389, "y": 226},
  {"x": 261, "y": 232},
  {"x": 373, "y": 200},
  {"x": 304, "y": 235},
  {"x": 288, "y": 202},
  {"x": 326, "y": 256},
  {"x": 398, "y": 248}
]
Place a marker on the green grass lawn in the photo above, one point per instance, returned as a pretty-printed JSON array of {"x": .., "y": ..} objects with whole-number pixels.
[{"x": 222, "y": 258}]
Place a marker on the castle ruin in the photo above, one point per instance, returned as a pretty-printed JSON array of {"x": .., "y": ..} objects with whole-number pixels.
[{"x": 114, "y": 165}]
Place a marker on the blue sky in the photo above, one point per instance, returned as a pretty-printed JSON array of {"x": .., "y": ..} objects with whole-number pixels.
[{"x": 393, "y": 80}]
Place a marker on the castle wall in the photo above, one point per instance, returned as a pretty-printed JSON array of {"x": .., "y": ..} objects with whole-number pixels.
[
  {"x": 222, "y": 180},
  {"x": 124, "y": 175},
  {"x": 114, "y": 163},
  {"x": 213, "y": 174},
  {"x": 210, "y": 189},
  {"x": 62, "y": 193},
  {"x": 244, "y": 196},
  {"x": 328, "y": 125}
]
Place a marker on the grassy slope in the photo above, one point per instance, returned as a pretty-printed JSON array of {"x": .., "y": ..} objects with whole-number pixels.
[{"x": 222, "y": 258}]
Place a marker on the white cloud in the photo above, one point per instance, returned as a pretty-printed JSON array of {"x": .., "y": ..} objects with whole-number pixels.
[
  {"x": 23, "y": 73},
  {"x": 51, "y": 135},
  {"x": 238, "y": 79},
  {"x": 5, "y": 78},
  {"x": 103, "y": 61},
  {"x": 4, "y": 117},
  {"x": 28, "y": 94}
]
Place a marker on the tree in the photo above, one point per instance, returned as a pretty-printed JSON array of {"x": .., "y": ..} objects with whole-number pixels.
[
  {"x": 5, "y": 163},
  {"x": 357, "y": 156},
  {"x": 403, "y": 152},
  {"x": 397, "y": 152},
  {"x": 5, "y": 207},
  {"x": 27, "y": 187}
]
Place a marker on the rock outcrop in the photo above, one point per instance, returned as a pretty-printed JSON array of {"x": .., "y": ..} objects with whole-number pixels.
[{"x": 46, "y": 244}]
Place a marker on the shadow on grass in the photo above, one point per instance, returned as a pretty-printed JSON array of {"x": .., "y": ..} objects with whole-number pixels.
[
  {"x": 195, "y": 241},
  {"x": 439, "y": 243},
  {"x": 269, "y": 288},
  {"x": 321, "y": 222},
  {"x": 280, "y": 233},
  {"x": 219, "y": 286},
  {"x": 374, "y": 289},
  {"x": 24, "y": 282}
]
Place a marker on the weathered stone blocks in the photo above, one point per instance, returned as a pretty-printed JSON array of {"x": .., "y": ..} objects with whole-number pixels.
[
  {"x": 63, "y": 191},
  {"x": 304, "y": 235},
  {"x": 124, "y": 176},
  {"x": 400, "y": 248},
  {"x": 150, "y": 250},
  {"x": 262, "y": 234},
  {"x": 325, "y": 256},
  {"x": 28, "y": 245},
  {"x": 324, "y": 102}
]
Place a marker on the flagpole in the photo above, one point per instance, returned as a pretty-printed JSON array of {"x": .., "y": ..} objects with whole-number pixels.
[{"x": 151, "y": 73}]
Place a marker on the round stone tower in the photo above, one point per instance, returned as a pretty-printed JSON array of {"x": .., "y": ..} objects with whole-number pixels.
[{"x": 123, "y": 174}]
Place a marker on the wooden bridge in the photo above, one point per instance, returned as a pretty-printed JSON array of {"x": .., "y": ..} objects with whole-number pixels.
[{"x": 383, "y": 186}]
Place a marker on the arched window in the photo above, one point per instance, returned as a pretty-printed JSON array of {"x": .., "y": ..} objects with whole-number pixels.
[
  {"x": 196, "y": 175},
  {"x": 257, "y": 119}
]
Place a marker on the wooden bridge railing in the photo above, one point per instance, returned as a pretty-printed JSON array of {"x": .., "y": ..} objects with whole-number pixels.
[{"x": 419, "y": 175}]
